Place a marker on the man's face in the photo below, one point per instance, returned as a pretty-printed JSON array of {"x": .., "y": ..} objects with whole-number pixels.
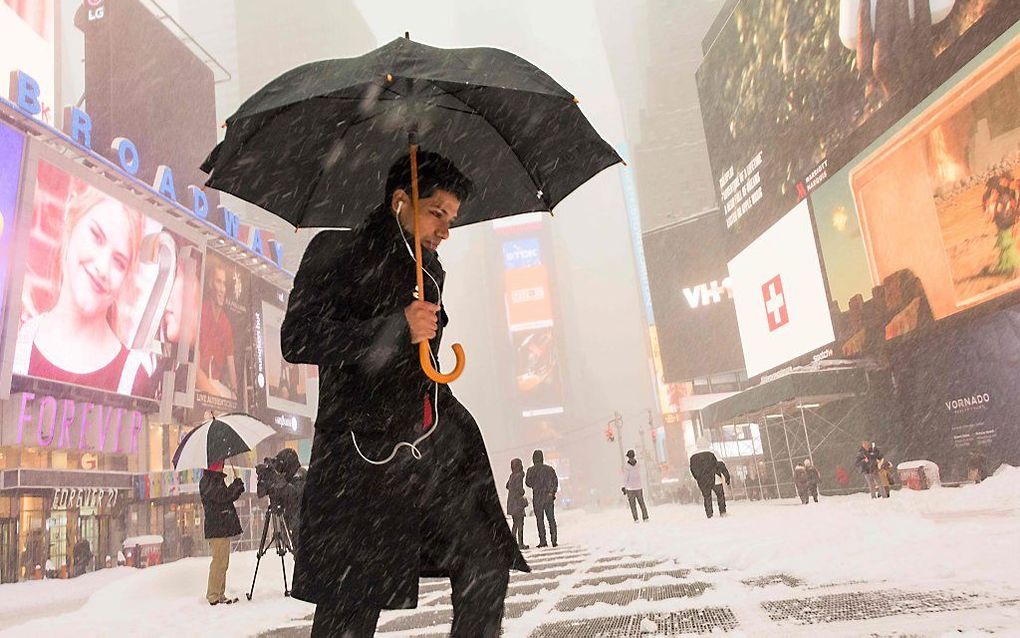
[
  {"x": 219, "y": 286},
  {"x": 438, "y": 212}
]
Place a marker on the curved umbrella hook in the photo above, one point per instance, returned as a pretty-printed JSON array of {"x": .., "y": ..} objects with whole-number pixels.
[{"x": 424, "y": 352}]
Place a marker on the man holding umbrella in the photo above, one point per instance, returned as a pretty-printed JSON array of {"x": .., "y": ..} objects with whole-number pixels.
[
  {"x": 221, "y": 523},
  {"x": 399, "y": 485},
  {"x": 374, "y": 522}
]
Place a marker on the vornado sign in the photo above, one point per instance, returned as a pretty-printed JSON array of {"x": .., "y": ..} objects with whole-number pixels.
[{"x": 971, "y": 402}]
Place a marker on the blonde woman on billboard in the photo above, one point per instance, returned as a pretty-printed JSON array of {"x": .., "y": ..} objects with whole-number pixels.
[{"x": 75, "y": 341}]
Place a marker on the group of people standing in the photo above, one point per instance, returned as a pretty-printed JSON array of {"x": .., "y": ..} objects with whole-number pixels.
[
  {"x": 544, "y": 483},
  {"x": 878, "y": 472}
]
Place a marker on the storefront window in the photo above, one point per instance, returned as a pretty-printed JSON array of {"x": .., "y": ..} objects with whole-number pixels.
[
  {"x": 32, "y": 542},
  {"x": 57, "y": 527},
  {"x": 156, "y": 454}
]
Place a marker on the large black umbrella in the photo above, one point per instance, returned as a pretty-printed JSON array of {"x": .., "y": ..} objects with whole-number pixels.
[{"x": 314, "y": 145}]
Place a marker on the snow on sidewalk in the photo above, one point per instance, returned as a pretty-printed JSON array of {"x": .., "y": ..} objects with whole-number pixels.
[{"x": 922, "y": 563}]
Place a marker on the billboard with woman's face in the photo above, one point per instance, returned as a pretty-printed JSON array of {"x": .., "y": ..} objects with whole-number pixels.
[{"x": 109, "y": 295}]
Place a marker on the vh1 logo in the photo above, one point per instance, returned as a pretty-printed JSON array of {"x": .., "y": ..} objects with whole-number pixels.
[{"x": 708, "y": 294}]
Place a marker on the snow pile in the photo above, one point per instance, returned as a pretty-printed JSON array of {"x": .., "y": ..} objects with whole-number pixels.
[{"x": 169, "y": 600}]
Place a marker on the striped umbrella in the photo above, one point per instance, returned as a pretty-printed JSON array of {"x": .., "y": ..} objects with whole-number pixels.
[{"x": 220, "y": 438}]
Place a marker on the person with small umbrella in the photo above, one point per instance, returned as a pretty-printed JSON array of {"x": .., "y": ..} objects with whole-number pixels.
[
  {"x": 221, "y": 524},
  {"x": 399, "y": 485}
]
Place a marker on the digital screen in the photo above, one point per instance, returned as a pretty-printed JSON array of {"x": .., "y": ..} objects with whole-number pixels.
[
  {"x": 109, "y": 297},
  {"x": 539, "y": 386},
  {"x": 939, "y": 195},
  {"x": 224, "y": 344},
  {"x": 12, "y": 144},
  {"x": 779, "y": 293},
  {"x": 695, "y": 319},
  {"x": 282, "y": 388},
  {"x": 786, "y": 83}
]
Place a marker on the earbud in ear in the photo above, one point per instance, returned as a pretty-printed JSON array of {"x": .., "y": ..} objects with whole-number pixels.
[{"x": 399, "y": 206}]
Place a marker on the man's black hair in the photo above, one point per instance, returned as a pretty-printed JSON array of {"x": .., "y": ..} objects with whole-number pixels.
[{"x": 435, "y": 172}]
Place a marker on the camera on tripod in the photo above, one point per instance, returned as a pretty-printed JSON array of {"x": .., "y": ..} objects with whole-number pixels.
[{"x": 269, "y": 474}]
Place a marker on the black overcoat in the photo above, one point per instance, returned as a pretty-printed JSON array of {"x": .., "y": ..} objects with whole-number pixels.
[{"x": 368, "y": 532}]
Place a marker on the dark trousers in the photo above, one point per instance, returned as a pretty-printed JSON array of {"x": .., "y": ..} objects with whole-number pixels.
[
  {"x": 720, "y": 496},
  {"x": 547, "y": 510},
  {"x": 518, "y": 529},
  {"x": 478, "y": 595},
  {"x": 635, "y": 498}
]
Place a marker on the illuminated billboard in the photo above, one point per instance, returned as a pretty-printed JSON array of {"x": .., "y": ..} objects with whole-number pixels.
[
  {"x": 779, "y": 293},
  {"x": 109, "y": 294}
]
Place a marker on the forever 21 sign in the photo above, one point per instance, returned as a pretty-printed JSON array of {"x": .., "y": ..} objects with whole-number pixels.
[{"x": 71, "y": 497}]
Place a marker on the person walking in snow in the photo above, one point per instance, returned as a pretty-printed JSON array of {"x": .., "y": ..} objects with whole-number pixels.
[
  {"x": 800, "y": 480},
  {"x": 544, "y": 483},
  {"x": 886, "y": 477},
  {"x": 814, "y": 479},
  {"x": 709, "y": 472},
  {"x": 515, "y": 501},
  {"x": 867, "y": 462},
  {"x": 633, "y": 487}
]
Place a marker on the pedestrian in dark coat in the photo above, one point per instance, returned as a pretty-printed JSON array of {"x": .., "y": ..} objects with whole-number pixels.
[
  {"x": 867, "y": 462},
  {"x": 82, "y": 556},
  {"x": 515, "y": 501},
  {"x": 221, "y": 523},
  {"x": 370, "y": 529},
  {"x": 544, "y": 484},
  {"x": 709, "y": 472},
  {"x": 800, "y": 480},
  {"x": 814, "y": 479}
]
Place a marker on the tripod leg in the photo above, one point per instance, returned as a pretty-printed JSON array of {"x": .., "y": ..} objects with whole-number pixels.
[
  {"x": 260, "y": 554},
  {"x": 281, "y": 536}
]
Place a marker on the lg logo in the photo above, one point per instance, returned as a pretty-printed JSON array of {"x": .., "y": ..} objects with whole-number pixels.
[{"x": 96, "y": 9}]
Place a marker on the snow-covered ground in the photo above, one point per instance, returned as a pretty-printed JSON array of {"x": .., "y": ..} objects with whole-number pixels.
[{"x": 961, "y": 540}]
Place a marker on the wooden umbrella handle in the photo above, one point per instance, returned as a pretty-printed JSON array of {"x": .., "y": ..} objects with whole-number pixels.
[{"x": 424, "y": 352}]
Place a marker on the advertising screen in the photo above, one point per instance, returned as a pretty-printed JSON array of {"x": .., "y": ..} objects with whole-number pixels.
[
  {"x": 539, "y": 385},
  {"x": 282, "y": 391},
  {"x": 224, "y": 336},
  {"x": 786, "y": 82},
  {"x": 27, "y": 30},
  {"x": 109, "y": 295},
  {"x": 938, "y": 195},
  {"x": 781, "y": 302},
  {"x": 12, "y": 144},
  {"x": 144, "y": 83},
  {"x": 695, "y": 318},
  {"x": 961, "y": 392}
]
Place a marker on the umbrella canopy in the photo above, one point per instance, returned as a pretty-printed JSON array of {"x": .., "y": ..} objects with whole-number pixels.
[
  {"x": 314, "y": 145},
  {"x": 220, "y": 438}
]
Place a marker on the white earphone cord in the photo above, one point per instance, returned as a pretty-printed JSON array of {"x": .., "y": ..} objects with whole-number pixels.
[{"x": 415, "y": 452}]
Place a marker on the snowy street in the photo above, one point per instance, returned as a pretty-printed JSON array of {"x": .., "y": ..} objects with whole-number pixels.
[{"x": 920, "y": 563}]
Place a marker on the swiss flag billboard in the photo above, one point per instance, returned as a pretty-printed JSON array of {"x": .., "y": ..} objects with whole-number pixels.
[{"x": 779, "y": 293}]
